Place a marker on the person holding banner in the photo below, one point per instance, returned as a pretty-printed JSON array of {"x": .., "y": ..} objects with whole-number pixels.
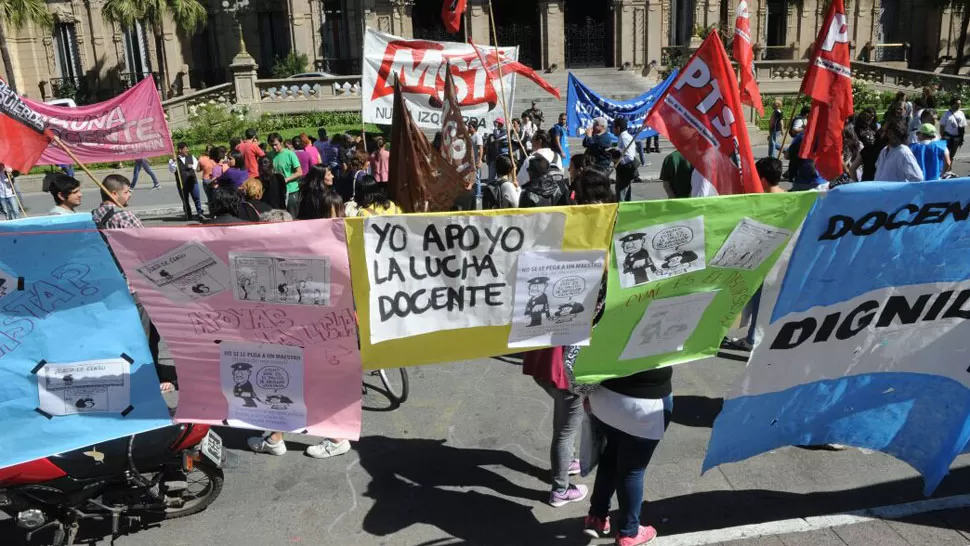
[
  {"x": 627, "y": 169},
  {"x": 559, "y": 139},
  {"x": 598, "y": 144},
  {"x": 8, "y": 196}
]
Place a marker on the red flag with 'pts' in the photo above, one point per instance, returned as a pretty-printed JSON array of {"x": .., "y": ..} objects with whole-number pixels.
[
  {"x": 451, "y": 12},
  {"x": 744, "y": 55},
  {"x": 23, "y": 135},
  {"x": 829, "y": 82},
  {"x": 700, "y": 113}
]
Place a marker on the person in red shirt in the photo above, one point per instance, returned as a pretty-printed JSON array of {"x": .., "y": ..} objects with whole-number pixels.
[{"x": 251, "y": 152}]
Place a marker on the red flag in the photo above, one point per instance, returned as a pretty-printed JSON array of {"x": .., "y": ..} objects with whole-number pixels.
[
  {"x": 23, "y": 134},
  {"x": 451, "y": 12},
  {"x": 744, "y": 54},
  {"x": 491, "y": 61},
  {"x": 829, "y": 82},
  {"x": 456, "y": 142},
  {"x": 700, "y": 113}
]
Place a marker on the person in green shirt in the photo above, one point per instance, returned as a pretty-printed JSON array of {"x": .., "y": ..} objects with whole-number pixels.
[
  {"x": 675, "y": 173},
  {"x": 286, "y": 163}
]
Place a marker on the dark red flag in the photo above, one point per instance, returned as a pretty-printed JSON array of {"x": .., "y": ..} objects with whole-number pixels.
[
  {"x": 451, "y": 12},
  {"x": 744, "y": 55},
  {"x": 700, "y": 113},
  {"x": 23, "y": 133},
  {"x": 456, "y": 142},
  {"x": 828, "y": 82}
]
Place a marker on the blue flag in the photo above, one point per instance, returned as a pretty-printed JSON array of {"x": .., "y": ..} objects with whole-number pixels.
[
  {"x": 583, "y": 104},
  {"x": 75, "y": 368},
  {"x": 868, "y": 335}
]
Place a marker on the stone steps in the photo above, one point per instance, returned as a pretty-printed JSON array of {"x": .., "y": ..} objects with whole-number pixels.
[{"x": 609, "y": 82}]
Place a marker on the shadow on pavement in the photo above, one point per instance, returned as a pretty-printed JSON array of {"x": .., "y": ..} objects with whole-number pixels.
[
  {"x": 731, "y": 508},
  {"x": 427, "y": 482},
  {"x": 696, "y": 411}
]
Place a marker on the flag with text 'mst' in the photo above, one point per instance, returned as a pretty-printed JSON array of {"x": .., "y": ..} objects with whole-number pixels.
[{"x": 23, "y": 134}]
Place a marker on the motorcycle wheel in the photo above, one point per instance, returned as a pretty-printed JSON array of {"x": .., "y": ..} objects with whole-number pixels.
[{"x": 202, "y": 486}]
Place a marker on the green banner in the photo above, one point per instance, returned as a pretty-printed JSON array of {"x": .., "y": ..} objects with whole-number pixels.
[{"x": 680, "y": 272}]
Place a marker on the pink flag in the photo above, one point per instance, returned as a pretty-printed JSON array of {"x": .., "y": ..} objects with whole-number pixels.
[
  {"x": 259, "y": 319},
  {"x": 129, "y": 126}
]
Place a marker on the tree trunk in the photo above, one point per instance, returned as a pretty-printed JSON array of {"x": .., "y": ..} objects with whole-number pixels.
[
  {"x": 160, "y": 53},
  {"x": 962, "y": 41},
  {"x": 7, "y": 61},
  {"x": 724, "y": 17}
]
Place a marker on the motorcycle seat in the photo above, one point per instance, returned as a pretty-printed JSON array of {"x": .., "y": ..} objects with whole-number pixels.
[{"x": 111, "y": 458}]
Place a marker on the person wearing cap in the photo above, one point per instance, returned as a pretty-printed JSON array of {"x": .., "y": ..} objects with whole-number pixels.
[
  {"x": 243, "y": 389},
  {"x": 637, "y": 259},
  {"x": 931, "y": 154},
  {"x": 598, "y": 144},
  {"x": 538, "y": 303}
]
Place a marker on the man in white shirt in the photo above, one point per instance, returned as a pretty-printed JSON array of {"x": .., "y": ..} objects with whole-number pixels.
[
  {"x": 540, "y": 143},
  {"x": 8, "y": 200},
  {"x": 66, "y": 192},
  {"x": 627, "y": 169},
  {"x": 953, "y": 125}
]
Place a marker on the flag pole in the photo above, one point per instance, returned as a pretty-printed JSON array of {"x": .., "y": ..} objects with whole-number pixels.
[
  {"x": 501, "y": 81},
  {"x": 180, "y": 185},
  {"x": 13, "y": 185},
  {"x": 62, "y": 146},
  {"x": 791, "y": 118}
]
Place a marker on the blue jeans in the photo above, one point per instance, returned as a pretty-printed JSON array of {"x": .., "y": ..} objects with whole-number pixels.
[
  {"x": 622, "y": 468},
  {"x": 774, "y": 144},
  {"x": 754, "y": 304},
  {"x": 142, "y": 164},
  {"x": 190, "y": 187},
  {"x": 10, "y": 209}
]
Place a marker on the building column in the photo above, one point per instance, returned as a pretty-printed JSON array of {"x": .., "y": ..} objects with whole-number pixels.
[
  {"x": 392, "y": 17},
  {"x": 654, "y": 37},
  {"x": 477, "y": 26},
  {"x": 552, "y": 29},
  {"x": 631, "y": 32},
  {"x": 302, "y": 29}
]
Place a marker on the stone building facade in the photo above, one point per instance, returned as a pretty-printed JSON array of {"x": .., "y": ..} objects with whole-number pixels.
[{"x": 82, "y": 50}]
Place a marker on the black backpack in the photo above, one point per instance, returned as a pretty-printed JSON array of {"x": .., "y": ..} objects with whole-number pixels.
[
  {"x": 550, "y": 190},
  {"x": 491, "y": 196}
]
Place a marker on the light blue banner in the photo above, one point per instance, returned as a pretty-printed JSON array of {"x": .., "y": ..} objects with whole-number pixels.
[
  {"x": 866, "y": 344},
  {"x": 63, "y": 300},
  {"x": 583, "y": 104}
]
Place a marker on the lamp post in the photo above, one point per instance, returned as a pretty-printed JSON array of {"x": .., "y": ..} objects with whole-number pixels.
[{"x": 238, "y": 9}]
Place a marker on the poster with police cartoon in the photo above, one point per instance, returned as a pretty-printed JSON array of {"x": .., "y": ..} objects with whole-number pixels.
[
  {"x": 93, "y": 386},
  {"x": 749, "y": 245},
  {"x": 263, "y": 385},
  {"x": 284, "y": 280},
  {"x": 660, "y": 252},
  {"x": 188, "y": 273},
  {"x": 555, "y": 297}
]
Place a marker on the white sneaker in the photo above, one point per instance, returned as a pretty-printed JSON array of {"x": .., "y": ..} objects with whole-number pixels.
[
  {"x": 328, "y": 449},
  {"x": 261, "y": 444}
]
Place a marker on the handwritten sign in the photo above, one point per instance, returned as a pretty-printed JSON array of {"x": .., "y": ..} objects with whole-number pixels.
[{"x": 430, "y": 274}]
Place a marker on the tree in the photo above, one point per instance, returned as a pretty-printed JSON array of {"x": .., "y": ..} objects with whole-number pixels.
[
  {"x": 17, "y": 14},
  {"x": 189, "y": 17},
  {"x": 962, "y": 6}
]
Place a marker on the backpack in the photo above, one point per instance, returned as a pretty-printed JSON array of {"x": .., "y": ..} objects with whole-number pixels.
[
  {"x": 491, "y": 196},
  {"x": 550, "y": 190}
]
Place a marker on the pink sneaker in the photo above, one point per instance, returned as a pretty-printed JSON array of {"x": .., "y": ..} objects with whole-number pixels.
[
  {"x": 645, "y": 536},
  {"x": 596, "y": 527},
  {"x": 574, "y": 468},
  {"x": 575, "y": 493}
]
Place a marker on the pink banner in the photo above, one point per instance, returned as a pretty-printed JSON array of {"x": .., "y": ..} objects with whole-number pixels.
[
  {"x": 259, "y": 319},
  {"x": 129, "y": 126}
]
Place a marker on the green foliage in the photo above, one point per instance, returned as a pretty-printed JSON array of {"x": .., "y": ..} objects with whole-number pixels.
[
  {"x": 189, "y": 15},
  {"x": 20, "y": 12},
  {"x": 292, "y": 64}
]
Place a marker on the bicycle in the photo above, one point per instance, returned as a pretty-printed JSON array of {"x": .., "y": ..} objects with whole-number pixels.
[{"x": 397, "y": 393}]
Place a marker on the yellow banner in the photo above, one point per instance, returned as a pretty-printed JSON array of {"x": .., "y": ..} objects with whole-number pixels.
[{"x": 439, "y": 287}]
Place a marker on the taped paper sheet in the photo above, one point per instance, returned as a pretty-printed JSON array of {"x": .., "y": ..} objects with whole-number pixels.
[
  {"x": 749, "y": 245},
  {"x": 666, "y": 325},
  {"x": 188, "y": 273},
  {"x": 660, "y": 252},
  {"x": 93, "y": 386},
  {"x": 263, "y": 384}
]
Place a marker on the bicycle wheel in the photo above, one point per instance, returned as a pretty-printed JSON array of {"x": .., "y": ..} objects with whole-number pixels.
[{"x": 397, "y": 391}]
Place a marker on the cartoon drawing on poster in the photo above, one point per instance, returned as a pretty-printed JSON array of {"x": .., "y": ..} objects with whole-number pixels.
[
  {"x": 188, "y": 273},
  {"x": 428, "y": 274},
  {"x": 666, "y": 325},
  {"x": 93, "y": 386},
  {"x": 749, "y": 245},
  {"x": 284, "y": 280},
  {"x": 263, "y": 385},
  {"x": 555, "y": 297},
  {"x": 660, "y": 252}
]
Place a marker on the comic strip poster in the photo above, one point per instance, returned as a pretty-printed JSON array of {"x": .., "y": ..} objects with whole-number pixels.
[
  {"x": 284, "y": 280},
  {"x": 666, "y": 325},
  {"x": 555, "y": 297},
  {"x": 263, "y": 384},
  {"x": 93, "y": 386},
  {"x": 660, "y": 252},
  {"x": 749, "y": 245},
  {"x": 188, "y": 273}
]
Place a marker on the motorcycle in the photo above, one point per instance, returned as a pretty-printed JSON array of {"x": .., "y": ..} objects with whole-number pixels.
[{"x": 167, "y": 473}]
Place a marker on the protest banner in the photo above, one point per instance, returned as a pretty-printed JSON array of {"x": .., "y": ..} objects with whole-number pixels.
[
  {"x": 583, "y": 104},
  {"x": 73, "y": 355},
  {"x": 863, "y": 337},
  {"x": 23, "y": 134},
  {"x": 449, "y": 281},
  {"x": 420, "y": 67},
  {"x": 680, "y": 272},
  {"x": 261, "y": 338},
  {"x": 129, "y": 126},
  {"x": 700, "y": 113}
]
